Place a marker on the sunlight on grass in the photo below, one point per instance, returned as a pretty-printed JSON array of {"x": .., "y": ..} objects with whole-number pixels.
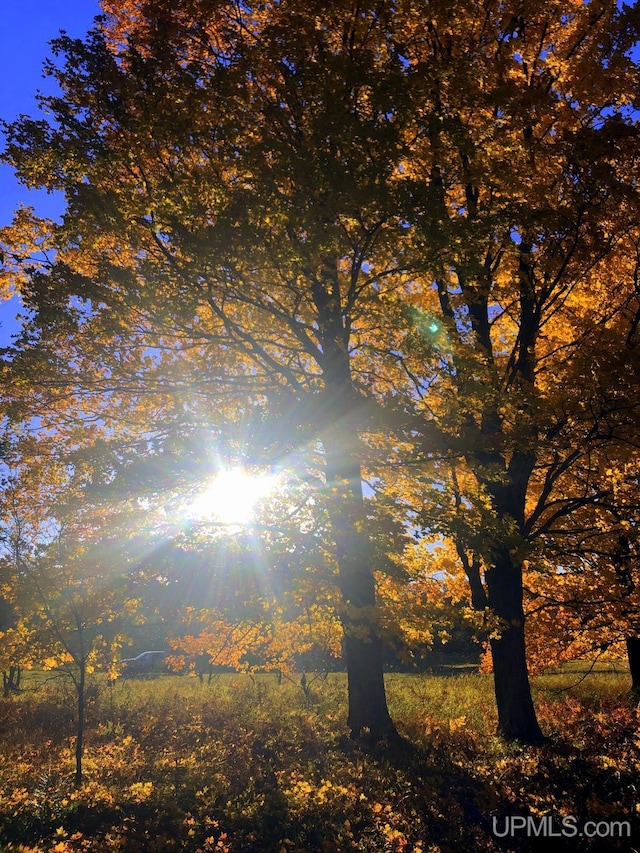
[{"x": 253, "y": 764}]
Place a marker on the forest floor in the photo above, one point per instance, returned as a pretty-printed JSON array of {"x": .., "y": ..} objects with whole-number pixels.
[{"x": 247, "y": 765}]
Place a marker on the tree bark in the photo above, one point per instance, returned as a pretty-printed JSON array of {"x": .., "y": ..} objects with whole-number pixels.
[
  {"x": 11, "y": 681},
  {"x": 80, "y": 689},
  {"x": 368, "y": 712},
  {"x": 338, "y": 426},
  {"x": 633, "y": 653},
  {"x": 516, "y": 713}
]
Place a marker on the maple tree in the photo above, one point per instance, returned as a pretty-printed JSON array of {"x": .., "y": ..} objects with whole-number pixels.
[
  {"x": 575, "y": 542},
  {"x": 252, "y": 274},
  {"x": 517, "y": 300},
  {"x": 368, "y": 237},
  {"x": 235, "y": 599},
  {"x": 524, "y": 212},
  {"x": 71, "y": 602},
  {"x": 591, "y": 587}
]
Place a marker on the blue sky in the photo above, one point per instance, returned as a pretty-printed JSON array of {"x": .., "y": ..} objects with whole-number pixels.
[{"x": 27, "y": 27}]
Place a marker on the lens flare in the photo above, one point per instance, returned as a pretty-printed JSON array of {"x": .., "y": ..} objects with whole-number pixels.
[{"x": 232, "y": 496}]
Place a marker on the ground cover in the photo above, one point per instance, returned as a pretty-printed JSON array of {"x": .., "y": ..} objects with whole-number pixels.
[{"x": 247, "y": 764}]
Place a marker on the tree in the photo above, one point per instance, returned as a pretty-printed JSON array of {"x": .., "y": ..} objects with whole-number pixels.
[
  {"x": 69, "y": 608},
  {"x": 232, "y": 257},
  {"x": 12, "y": 650},
  {"x": 591, "y": 587},
  {"x": 344, "y": 219},
  {"x": 524, "y": 209}
]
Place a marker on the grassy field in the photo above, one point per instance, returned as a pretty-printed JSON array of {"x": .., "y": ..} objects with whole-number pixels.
[{"x": 246, "y": 764}]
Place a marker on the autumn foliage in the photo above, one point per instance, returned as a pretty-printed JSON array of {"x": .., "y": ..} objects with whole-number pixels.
[
  {"x": 387, "y": 253},
  {"x": 255, "y": 766}
]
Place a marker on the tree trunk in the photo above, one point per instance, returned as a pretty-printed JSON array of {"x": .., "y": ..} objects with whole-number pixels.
[
  {"x": 80, "y": 688},
  {"x": 338, "y": 426},
  {"x": 633, "y": 653},
  {"x": 516, "y": 713},
  {"x": 11, "y": 681},
  {"x": 368, "y": 712}
]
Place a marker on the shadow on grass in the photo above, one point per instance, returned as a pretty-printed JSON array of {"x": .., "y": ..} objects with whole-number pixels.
[{"x": 248, "y": 771}]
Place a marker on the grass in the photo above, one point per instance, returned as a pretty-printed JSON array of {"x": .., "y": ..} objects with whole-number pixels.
[{"x": 249, "y": 766}]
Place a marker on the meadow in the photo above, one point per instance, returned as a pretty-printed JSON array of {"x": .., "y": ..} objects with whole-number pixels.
[{"x": 247, "y": 765}]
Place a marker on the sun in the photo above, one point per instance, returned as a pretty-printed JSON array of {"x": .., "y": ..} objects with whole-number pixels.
[{"x": 230, "y": 498}]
